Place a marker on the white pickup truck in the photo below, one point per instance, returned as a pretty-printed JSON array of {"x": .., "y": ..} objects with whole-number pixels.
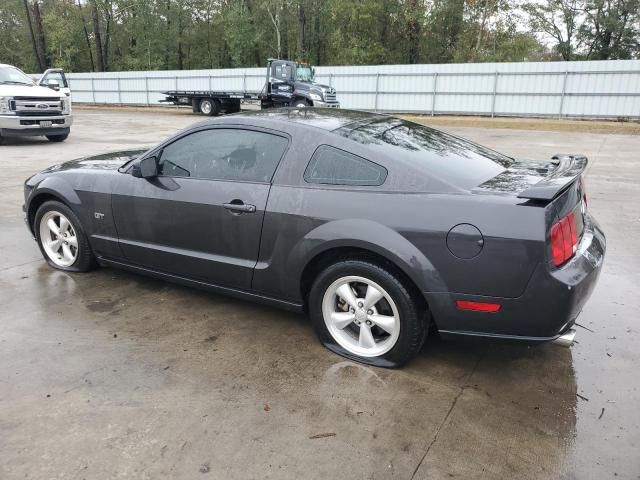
[{"x": 31, "y": 109}]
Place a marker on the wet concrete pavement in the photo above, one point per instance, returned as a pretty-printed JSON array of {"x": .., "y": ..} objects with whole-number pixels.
[{"x": 110, "y": 374}]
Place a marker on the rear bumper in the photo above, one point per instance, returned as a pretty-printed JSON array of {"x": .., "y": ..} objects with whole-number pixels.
[
  {"x": 14, "y": 126},
  {"x": 545, "y": 311}
]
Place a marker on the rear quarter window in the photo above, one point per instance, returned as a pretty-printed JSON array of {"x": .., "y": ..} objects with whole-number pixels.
[{"x": 332, "y": 166}]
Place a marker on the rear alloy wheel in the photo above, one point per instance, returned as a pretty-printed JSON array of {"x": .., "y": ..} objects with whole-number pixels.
[
  {"x": 57, "y": 138},
  {"x": 363, "y": 312},
  {"x": 209, "y": 106},
  {"x": 61, "y": 239}
]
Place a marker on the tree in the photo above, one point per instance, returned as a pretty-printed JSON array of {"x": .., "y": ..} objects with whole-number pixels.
[
  {"x": 557, "y": 19},
  {"x": 611, "y": 29}
]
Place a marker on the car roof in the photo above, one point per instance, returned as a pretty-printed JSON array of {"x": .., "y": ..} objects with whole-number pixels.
[{"x": 328, "y": 119}]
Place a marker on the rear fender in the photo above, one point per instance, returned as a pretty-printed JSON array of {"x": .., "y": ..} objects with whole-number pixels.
[{"x": 371, "y": 236}]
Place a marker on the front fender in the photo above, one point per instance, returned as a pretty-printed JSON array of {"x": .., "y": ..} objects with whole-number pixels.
[
  {"x": 57, "y": 187},
  {"x": 301, "y": 94},
  {"x": 368, "y": 235}
]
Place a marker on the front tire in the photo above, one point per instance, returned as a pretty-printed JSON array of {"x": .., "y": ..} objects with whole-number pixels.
[
  {"x": 363, "y": 312},
  {"x": 57, "y": 138},
  {"x": 301, "y": 103},
  {"x": 63, "y": 243}
]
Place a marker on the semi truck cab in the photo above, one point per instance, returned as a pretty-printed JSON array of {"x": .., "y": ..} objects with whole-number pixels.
[
  {"x": 293, "y": 84},
  {"x": 30, "y": 109}
]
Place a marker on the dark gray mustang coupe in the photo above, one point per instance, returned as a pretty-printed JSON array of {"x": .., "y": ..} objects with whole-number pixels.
[{"x": 379, "y": 228}]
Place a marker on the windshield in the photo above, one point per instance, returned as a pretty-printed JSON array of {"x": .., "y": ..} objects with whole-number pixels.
[
  {"x": 304, "y": 73},
  {"x": 13, "y": 75}
]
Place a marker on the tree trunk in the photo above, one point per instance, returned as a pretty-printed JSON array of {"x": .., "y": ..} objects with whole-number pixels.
[
  {"x": 34, "y": 44},
  {"x": 42, "y": 42},
  {"x": 301, "y": 25},
  {"x": 97, "y": 36},
  {"x": 86, "y": 37},
  {"x": 179, "y": 52},
  {"x": 168, "y": 36},
  {"x": 413, "y": 30},
  {"x": 107, "y": 38}
]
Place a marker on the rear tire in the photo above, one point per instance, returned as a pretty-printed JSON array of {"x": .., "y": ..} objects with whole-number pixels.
[
  {"x": 210, "y": 106},
  {"x": 61, "y": 239},
  {"x": 57, "y": 138},
  {"x": 381, "y": 323}
]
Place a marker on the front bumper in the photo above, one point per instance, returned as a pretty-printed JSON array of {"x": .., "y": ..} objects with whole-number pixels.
[
  {"x": 326, "y": 104},
  {"x": 546, "y": 310},
  {"x": 16, "y": 126}
]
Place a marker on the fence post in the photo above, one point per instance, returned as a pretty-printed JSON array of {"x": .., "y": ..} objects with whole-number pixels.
[
  {"x": 331, "y": 79},
  {"x": 433, "y": 95},
  {"x": 244, "y": 82},
  {"x": 377, "y": 91},
  {"x": 146, "y": 88},
  {"x": 176, "y": 82},
  {"x": 493, "y": 99},
  {"x": 93, "y": 90},
  {"x": 119, "y": 92},
  {"x": 210, "y": 83},
  {"x": 564, "y": 90}
]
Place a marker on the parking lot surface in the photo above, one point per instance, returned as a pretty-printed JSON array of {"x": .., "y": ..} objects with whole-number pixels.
[{"x": 110, "y": 374}]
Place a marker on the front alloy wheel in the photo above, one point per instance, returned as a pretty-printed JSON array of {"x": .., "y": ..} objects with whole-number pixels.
[
  {"x": 58, "y": 238},
  {"x": 61, "y": 238}
]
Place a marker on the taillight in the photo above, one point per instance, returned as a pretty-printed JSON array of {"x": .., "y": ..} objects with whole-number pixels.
[
  {"x": 564, "y": 239},
  {"x": 582, "y": 189}
]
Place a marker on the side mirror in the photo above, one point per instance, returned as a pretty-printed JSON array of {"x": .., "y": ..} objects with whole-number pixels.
[
  {"x": 146, "y": 168},
  {"x": 53, "y": 84}
]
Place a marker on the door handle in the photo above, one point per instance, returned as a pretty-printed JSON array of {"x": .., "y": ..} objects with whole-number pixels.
[{"x": 239, "y": 206}]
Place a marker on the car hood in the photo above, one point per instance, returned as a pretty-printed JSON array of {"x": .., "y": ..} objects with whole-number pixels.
[
  {"x": 104, "y": 161},
  {"x": 9, "y": 90}
]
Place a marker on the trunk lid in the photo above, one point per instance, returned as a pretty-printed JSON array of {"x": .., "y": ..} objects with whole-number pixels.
[{"x": 534, "y": 180}]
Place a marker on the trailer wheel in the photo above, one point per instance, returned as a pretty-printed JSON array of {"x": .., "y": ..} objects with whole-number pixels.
[{"x": 210, "y": 106}]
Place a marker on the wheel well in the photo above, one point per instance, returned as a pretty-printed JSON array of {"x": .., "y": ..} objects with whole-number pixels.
[
  {"x": 35, "y": 205},
  {"x": 334, "y": 255}
]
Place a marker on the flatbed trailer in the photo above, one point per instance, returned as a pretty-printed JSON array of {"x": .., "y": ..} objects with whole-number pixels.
[{"x": 210, "y": 102}]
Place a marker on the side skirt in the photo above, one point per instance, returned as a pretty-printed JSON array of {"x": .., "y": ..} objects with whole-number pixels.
[{"x": 232, "y": 292}]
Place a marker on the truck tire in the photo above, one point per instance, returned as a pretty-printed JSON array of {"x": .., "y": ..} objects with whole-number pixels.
[
  {"x": 57, "y": 138},
  {"x": 301, "y": 103},
  {"x": 210, "y": 106}
]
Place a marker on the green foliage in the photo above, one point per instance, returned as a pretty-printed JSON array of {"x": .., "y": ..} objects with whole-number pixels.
[{"x": 81, "y": 35}]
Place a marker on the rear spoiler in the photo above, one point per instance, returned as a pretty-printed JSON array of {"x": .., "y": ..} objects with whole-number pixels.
[{"x": 570, "y": 167}]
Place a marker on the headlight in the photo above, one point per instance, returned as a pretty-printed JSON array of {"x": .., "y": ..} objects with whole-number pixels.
[
  {"x": 66, "y": 105},
  {"x": 315, "y": 96},
  {"x": 4, "y": 105}
]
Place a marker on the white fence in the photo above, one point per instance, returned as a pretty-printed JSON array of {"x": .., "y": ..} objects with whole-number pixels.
[{"x": 561, "y": 89}]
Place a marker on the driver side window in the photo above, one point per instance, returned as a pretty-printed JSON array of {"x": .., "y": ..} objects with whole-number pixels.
[{"x": 224, "y": 154}]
